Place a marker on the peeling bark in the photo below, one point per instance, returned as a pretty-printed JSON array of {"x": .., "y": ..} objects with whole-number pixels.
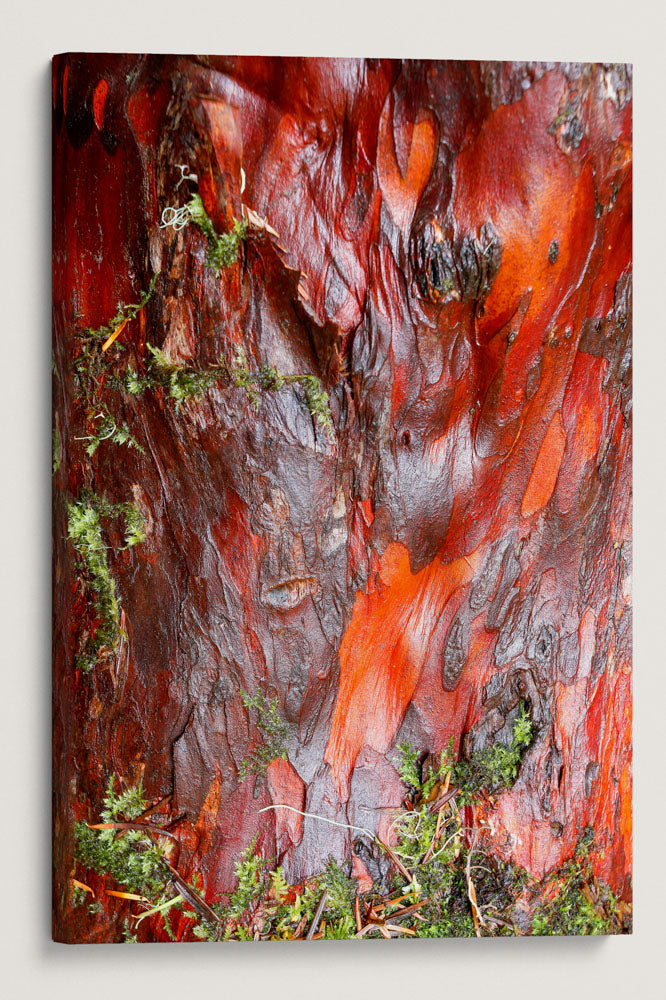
[{"x": 449, "y": 250}]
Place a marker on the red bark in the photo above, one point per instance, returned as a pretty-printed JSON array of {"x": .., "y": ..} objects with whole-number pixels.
[{"x": 454, "y": 261}]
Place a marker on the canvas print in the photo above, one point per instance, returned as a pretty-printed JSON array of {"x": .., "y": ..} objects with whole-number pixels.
[{"x": 341, "y": 498}]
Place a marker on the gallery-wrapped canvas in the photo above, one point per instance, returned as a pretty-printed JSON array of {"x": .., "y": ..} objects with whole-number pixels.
[{"x": 341, "y": 498}]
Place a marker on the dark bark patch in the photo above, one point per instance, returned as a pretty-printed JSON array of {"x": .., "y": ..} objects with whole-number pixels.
[{"x": 455, "y": 654}]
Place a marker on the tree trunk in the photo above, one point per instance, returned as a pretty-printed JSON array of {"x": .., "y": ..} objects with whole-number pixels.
[{"x": 447, "y": 246}]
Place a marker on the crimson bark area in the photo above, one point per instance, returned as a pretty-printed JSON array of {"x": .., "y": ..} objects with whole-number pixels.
[{"x": 454, "y": 261}]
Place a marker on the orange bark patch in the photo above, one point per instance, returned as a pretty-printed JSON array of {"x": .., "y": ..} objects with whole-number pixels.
[
  {"x": 383, "y": 651},
  {"x": 583, "y": 419},
  {"x": 402, "y": 191},
  {"x": 225, "y": 134},
  {"x": 65, "y": 77},
  {"x": 515, "y": 174},
  {"x": 586, "y": 640},
  {"x": 208, "y": 818},
  {"x": 544, "y": 474},
  {"x": 144, "y": 110},
  {"x": 286, "y": 788},
  {"x": 100, "y": 94},
  {"x": 361, "y": 875}
]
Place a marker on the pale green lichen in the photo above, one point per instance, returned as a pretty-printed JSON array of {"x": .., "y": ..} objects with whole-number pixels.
[
  {"x": 274, "y": 732},
  {"x": 106, "y": 429},
  {"x": 85, "y": 533},
  {"x": 182, "y": 382},
  {"x": 222, "y": 248}
]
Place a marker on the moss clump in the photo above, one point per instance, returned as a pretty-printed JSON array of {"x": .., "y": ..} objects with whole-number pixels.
[
  {"x": 577, "y": 903},
  {"x": 91, "y": 361},
  {"x": 338, "y": 912},
  {"x": 130, "y": 857},
  {"x": 55, "y": 451},
  {"x": 222, "y": 248},
  {"x": 489, "y": 770},
  {"x": 448, "y": 883},
  {"x": 106, "y": 429},
  {"x": 269, "y": 379},
  {"x": 250, "y": 872},
  {"x": 416, "y": 827},
  {"x": 446, "y": 871},
  {"x": 85, "y": 533},
  {"x": 134, "y": 859},
  {"x": 179, "y": 382},
  {"x": 93, "y": 370},
  {"x": 274, "y": 731},
  {"x": 316, "y": 398},
  {"x": 263, "y": 906},
  {"x": 183, "y": 382},
  {"x": 496, "y": 767},
  {"x": 407, "y": 762}
]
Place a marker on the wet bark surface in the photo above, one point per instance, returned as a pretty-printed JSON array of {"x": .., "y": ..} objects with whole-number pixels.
[{"x": 449, "y": 251}]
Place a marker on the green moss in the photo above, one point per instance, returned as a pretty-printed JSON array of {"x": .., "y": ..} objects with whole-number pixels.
[
  {"x": 575, "y": 903},
  {"x": 443, "y": 865},
  {"x": 93, "y": 369},
  {"x": 431, "y": 841},
  {"x": 91, "y": 362},
  {"x": 316, "y": 398},
  {"x": 269, "y": 379},
  {"x": 338, "y": 910},
  {"x": 422, "y": 779},
  {"x": 55, "y": 450},
  {"x": 85, "y": 533},
  {"x": 131, "y": 858},
  {"x": 496, "y": 767},
  {"x": 274, "y": 731},
  {"x": 407, "y": 763},
  {"x": 263, "y": 905},
  {"x": 183, "y": 382},
  {"x": 78, "y": 896},
  {"x": 448, "y": 912},
  {"x": 106, "y": 429},
  {"x": 251, "y": 875},
  {"x": 222, "y": 248}
]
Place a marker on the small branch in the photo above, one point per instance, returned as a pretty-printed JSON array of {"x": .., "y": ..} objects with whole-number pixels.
[
  {"x": 192, "y": 896},
  {"x": 156, "y": 831},
  {"x": 471, "y": 891},
  {"x": 357, "y": 914},
  {"x": 116, "y": 333},
  {"x": 317, "y": 916},
  {"x": 408, "y": 910},
  {"x": 395, "y": 859},
  {"x": 399, "y": 930},
  {"x": 443, "y": 799}
]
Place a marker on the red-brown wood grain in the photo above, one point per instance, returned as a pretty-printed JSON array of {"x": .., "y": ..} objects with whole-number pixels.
[{"x": 453, "y": 259}]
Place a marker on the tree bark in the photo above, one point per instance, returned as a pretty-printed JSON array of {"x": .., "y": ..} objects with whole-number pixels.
[{"x": 449, "y": 250}]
